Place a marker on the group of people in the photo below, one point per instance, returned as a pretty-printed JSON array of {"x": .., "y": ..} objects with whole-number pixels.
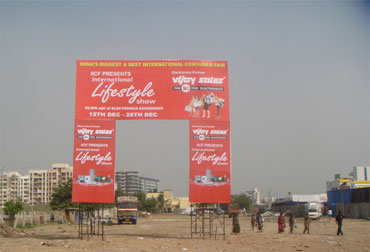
[
  {"x": 292, "y": 223},
  {"x": 206, "y": 101},
  {"x": 257, "y": 221}
]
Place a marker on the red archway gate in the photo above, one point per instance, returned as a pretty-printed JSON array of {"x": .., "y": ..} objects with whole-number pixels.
[{"x": 107, "y": 91}]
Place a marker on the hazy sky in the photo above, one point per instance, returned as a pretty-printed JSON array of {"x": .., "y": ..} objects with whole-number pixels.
[{"x": 298, "y": 76}]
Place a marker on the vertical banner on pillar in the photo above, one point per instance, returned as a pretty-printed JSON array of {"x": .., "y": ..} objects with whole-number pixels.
[
  {"x": 93, "y": 161},
  {"x": 209, "y": 162}
]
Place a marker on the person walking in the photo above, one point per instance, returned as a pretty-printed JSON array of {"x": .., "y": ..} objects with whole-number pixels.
[
  {"x": 253, "y": 221},
  {"x": 281, "y": 223},
  {"x": 236, "y": 226},
  {"x": 339, "y": 219},
  {"x": 307, "y": 224},
  {"x": 330, "y": 213},
  {"x": 291, "y": 223},
  {"x": 259, "y": 220}
]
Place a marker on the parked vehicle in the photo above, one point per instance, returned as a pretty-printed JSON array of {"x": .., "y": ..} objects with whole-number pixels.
[
  {"x": 314, "y": 210},
  {"x": 127, "y": 210}
]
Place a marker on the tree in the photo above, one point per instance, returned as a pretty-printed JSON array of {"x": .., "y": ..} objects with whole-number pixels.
[
  {"x": 150, "y": 204},
  {"x": 117, "y": 194},
  {"x": 61, "y": 199},
  {"x": 141, "y": 198},
  {"x": 242, "y": 200},
  {"x": 12, "y": 207},
  {"x": 160, "y": 202}
]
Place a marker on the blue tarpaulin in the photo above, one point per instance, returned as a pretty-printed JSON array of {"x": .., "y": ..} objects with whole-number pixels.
[{"x": 340, "y": 196}]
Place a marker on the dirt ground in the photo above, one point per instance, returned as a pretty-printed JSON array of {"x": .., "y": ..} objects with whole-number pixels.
[{"x": 172, "y": 233}]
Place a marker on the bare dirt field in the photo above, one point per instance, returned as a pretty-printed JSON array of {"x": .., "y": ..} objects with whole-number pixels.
[{"x": 172, "y": 233}]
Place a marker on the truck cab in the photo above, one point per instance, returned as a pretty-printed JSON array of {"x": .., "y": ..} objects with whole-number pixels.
[{"x": 127, "y": 210}]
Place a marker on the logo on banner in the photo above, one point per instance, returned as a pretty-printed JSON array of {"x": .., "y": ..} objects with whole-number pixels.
[{"x": 187, "y": 83}]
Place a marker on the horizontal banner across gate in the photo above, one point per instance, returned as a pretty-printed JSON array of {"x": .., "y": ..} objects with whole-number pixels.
[{"x": 162, "y": 89}]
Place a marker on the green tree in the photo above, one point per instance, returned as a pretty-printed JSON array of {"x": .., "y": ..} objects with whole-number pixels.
[
  {"x": 141, "y": 199},
  {"x": 160, "y": 201},
  {"x": 12, "y": 207},
  {"x": 61, "y": 199},
  {"x": 117, "y": 194},
  {"x": 150, "y": 204},
  {"x": 242, "y": 200}
]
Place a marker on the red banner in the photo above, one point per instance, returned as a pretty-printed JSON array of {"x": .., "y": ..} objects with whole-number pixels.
[
  {"x": 163, "y": 89},
  {"x": 209, "y": 161},
  {"x": 93, "y": 161}
]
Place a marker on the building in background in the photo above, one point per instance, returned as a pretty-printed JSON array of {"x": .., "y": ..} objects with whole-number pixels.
[
  {"x": 24, "y": 189},
  {"x": 9, "y": 187},
  {"x": 43, "y": 182},
  {"x": 299, "y": 205},
  {"x": 359, "y": 178},
  {"x": 255, "y": 195},
  {"x": 171, "y": 204},
  {"x": 130, "y": 183},
  {"x": 34, "y": 188},
  {"x": 268, "y": 199},
  {"x": 350, "y": 193},
  {"x": 149, "y": 184}
]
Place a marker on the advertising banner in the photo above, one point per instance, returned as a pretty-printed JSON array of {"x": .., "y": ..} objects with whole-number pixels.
[
  {"x": 93, "y": 161},
  {"x": 162, "y": 89},
  {"x": 209, "y": 161}
]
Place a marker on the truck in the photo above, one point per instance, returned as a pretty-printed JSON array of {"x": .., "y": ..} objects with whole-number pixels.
[
  {"x": 314, "y": 210},
  {"x": 127, "y": 210}
]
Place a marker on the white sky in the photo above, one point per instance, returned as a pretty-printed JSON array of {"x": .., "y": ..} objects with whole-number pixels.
[{"x": 298, "y": 76}]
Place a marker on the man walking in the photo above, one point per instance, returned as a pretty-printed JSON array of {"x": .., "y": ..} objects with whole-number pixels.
[
  {"x": 339, "y": 220},
  {"x": 291, "y": 223},
  {"x": 307, "y": 224},
  {"x": 253, "y": 221}
]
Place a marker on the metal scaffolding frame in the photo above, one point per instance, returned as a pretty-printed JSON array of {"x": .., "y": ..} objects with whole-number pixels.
[
  {"x": 207, "y": 220},
  {"x": 94, "y": 224}
]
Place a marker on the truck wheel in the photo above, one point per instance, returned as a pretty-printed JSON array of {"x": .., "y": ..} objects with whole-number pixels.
[
  {"x": 134, "y": 222},
  {"x": 119, "y": 222}
]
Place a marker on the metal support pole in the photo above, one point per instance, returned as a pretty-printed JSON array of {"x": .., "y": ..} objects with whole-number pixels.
[
  {"x": 224, "y": 226},
  {"x": 79, "y": 220},
  {"x": 191, "y": 220},
  {"x": 102, "y": 228},
  {"x": 203, "y": 222},
  {"x": 99, "y": 219}
]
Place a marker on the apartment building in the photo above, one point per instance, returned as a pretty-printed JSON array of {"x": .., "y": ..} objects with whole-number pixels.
[
  {"x": 130, "y": 182},
  {"x": 34, "y": 188},
  {"x": 43, "y": 182},
  {"x": 24, "y": 189},
  {"x": 149, "y": 184},
  {"x": 9, "y": 187}
]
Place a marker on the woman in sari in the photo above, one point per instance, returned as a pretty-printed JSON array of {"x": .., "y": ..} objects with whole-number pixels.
[{"x": 281, "y": 223}]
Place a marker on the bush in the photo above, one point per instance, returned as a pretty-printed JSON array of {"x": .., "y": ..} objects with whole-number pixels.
[{"x": 11, "y": 208}]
